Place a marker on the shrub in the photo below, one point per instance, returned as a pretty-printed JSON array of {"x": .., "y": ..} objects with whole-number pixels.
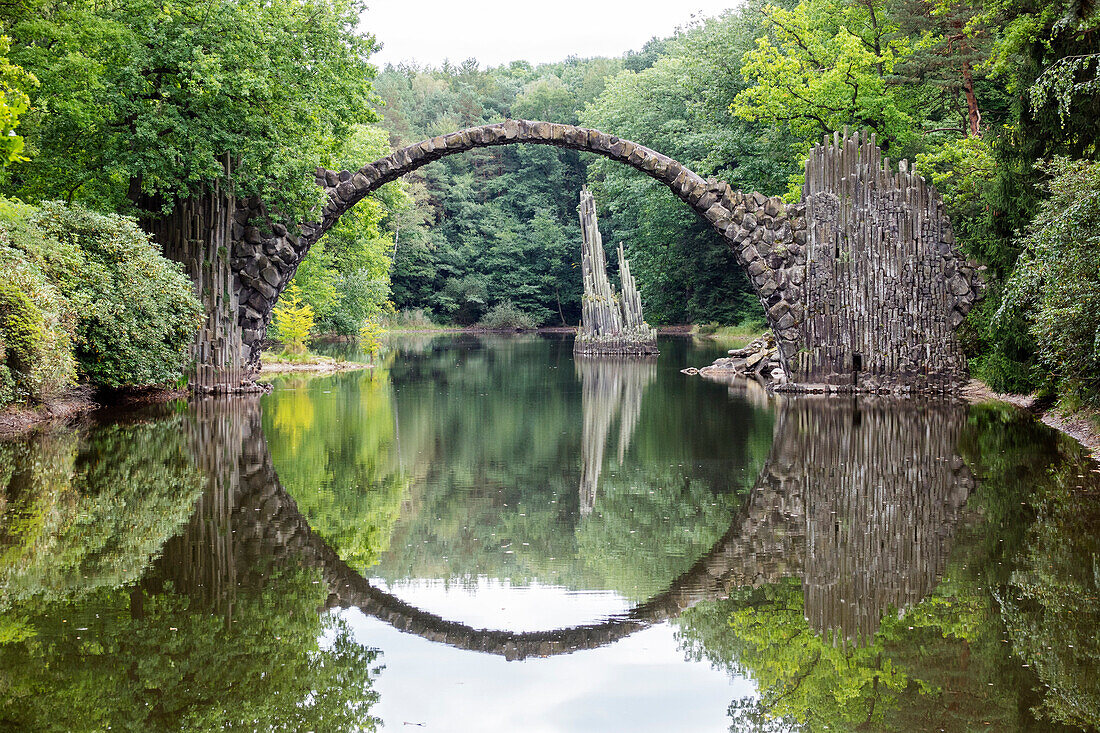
[
  {"x": 37, "y": 325},
  {"x": 293, "y": 321},
  {"x": 1056, "y": 284},
  {"x": 21, "y": 324},
  {"x": 506, "y": 316},
  {"x": 408, "y": 319},
  {"x": 111, "y": 307},
  {"x": 137, "y": 311},
  {"x": 7, "y": 382}
]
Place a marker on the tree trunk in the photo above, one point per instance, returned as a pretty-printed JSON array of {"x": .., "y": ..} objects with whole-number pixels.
[{"x": 974, "y": 116}]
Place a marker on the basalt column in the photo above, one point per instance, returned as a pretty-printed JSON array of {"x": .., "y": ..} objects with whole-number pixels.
[
  {"x": 885, "y": 286},
  {"x": 199, "y": 235},
  {"x": 610, "y": 323}
]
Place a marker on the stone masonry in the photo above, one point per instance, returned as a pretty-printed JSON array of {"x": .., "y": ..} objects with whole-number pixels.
[{"x": 860, "y": 281}]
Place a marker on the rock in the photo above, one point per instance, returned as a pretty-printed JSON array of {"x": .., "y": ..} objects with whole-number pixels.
[
  {"x": 271, "y": 275},
  {"x": 958, "y": 285}
]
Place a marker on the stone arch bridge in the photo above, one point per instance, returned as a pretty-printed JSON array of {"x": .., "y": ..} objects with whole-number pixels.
[
  {"x": 860, "y": 499},
  {"x": 860, "y": 280}
]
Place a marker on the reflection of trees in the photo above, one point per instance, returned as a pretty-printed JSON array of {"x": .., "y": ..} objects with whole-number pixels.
[
  {"x": 941, "y": 663},
  {"x": 1051, "y": 605},
  {"x": 496, "y": 471},
  {"x": 175, "y": 667},
  {"x": 84, "y": 510},
  {"x": 611, "y": 389},
  {"x": 152, "y": 656},
  {"x": 334, "y": 443}
]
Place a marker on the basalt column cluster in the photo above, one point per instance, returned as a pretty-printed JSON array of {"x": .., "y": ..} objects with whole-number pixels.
[
  {"x": 885, "y": 287},
  {"x": 610, "y": 323}
]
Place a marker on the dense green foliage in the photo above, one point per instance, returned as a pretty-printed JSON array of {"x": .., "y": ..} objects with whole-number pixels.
[
  {"x": 136, "y": 311},
  {"x": 140, "y": 98},
  {"x": 679, "y": 106},
  {"x": 13, "y": 103},
  {"x": 1056, "y": 282},
  {"x": 87, "y": 295},
  {"x": 142, "y": 106}
]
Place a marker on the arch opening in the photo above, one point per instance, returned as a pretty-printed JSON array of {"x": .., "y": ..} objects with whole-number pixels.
[{"x": 265, "y": 265}]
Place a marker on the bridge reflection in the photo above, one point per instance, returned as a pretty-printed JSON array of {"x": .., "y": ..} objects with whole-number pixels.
[{"x": 859, "y": 497}]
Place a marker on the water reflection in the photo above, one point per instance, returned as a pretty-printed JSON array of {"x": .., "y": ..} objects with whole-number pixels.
[
  {"x": 90, "y": 509},
  {"x": 872, "y": 490},
  {"x": 219, "y": 632},
  {"x": 612, "y": 389},
  {"x": 957, "y": 653},
  {"x": 857, "y": 499},
  {"x": 491, "y": 451},
  {"x": 886, "y": 566}
]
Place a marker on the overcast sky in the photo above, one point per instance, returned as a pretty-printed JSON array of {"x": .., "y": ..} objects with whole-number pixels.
[{"x": 496, "y": 32}]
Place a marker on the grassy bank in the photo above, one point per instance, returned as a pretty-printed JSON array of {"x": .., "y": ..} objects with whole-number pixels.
[
  {"x": 306, "y": 362},
  {"x": 731, "y": 336}
]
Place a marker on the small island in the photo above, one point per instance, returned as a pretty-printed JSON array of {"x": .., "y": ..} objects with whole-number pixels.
[{"x": 610, "y": 323}]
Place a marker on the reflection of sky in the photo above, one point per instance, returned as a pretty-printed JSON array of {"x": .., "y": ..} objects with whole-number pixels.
[
  {"x": 497, "y": 604},
  {"x": 641, "y": 683}
]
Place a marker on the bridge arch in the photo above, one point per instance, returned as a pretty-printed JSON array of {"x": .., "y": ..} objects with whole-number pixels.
[
  {"x": 264, "y": 265},
  {"x": 861, "y": 281}
]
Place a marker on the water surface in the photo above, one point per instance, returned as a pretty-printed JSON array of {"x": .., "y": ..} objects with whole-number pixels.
[{"x": 484, "y": 534}]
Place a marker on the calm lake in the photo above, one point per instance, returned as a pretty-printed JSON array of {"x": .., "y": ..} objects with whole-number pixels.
[{"x": 484, "y": 534}]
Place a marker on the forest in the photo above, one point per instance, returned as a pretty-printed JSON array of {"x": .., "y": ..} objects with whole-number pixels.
[{"x": 129, "y": 108}]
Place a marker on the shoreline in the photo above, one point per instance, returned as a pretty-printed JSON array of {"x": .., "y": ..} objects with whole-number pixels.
[
  {"x": 17, "y": 420},
  {"x": 324, "y": 365},
  {"x": 1081, "y": 426}
]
